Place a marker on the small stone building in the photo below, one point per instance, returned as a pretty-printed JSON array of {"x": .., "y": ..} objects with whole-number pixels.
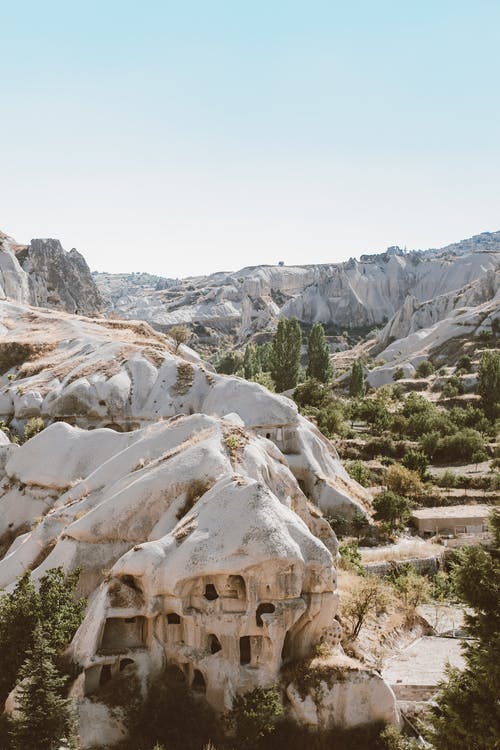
[{"x": 452, "y": 520}]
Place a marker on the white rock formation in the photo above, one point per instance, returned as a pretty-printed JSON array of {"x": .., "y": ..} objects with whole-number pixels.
[
  {"x": 351, "y": 294},
  {"x": 123, "y": 375},
  {"x": 43, "y": 274}
]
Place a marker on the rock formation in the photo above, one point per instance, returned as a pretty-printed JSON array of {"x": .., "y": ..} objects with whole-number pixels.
[
  {"x": 43, "y": 274},
  {"x": 357, "y": 293},
  {"x": 194, "y": 520}
]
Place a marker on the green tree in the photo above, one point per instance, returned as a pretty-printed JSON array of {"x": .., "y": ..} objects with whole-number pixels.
[
  {"x": 357, "y": 380},
  {"x": 318, "y": 355},
  {"x": 392, "y": 509},
  {"x": 250, "y": 364},
  {"x": 467, "y": 711},
  {"x": 264, "y": 356},
  {"x": 287, "y": 343},
  {"x": 253, "y": 716},
  {"x": 53, "y": 604},
  {"x": 229, "y": 363},
  {"x": 424, "y": 369},
  {"x": 489, "y": 383},
  {"x": 416, "y": 461},
  {"x": 44, "y": 719}
]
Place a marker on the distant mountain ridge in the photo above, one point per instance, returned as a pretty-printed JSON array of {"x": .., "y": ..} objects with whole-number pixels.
[{"x": 355, "y": 293}]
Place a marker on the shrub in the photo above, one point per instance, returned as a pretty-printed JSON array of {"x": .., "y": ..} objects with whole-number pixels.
[
  {"x": 464, "y": 363},
  {"x": 367, "y": 597},
  {"x": 33, "y": 427},
  {"x": 179, "y": 334},
  {"x": 253, "y": 716},
  {"x": 424, "y": 369},
  {"x": 416, "y": 461},
  {"x": 392, "y": 509},
  {"x": 402, "y": 481},
  {"x": 350, "y": 558},
  {"x": 462, "y": 446},
  {"x": 174, "y": 717},
  {"x": 358, "y": 471}
]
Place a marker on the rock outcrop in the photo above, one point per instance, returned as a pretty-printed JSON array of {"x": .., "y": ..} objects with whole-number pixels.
[
  {"x": 194, "y": 521},
  {"x": 125, "y": 376},
  {"x": 355, "y": 294},
  {"x": 59, "y": 279},
  {"x": 43, "y": 274}
]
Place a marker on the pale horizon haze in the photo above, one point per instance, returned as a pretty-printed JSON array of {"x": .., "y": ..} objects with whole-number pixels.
[{"x": 183, "y": 138}]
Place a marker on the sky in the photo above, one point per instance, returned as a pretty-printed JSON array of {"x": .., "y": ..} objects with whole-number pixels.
[{"x": 186, "y": 137}]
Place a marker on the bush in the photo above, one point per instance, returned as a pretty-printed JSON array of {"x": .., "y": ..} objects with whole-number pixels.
[
  {"x": 358, "y": 471},
  {"x": 253, "y": 716},
  {"x": 367, "y": 598},
  {"x": 33, "y": 426},
  {"x": 392, "y": 509},
  {"x": 398, "y": 374},
  {"x": 424, "y": 369},
  {"x": 464, "y": 363},
  {"x": 403, "y": 481},
  {"x": 465, "y": 445},
  {"x": 350, "y": 558},
  {"x": 416, "y": 461},
  {"x": 174, "y": 717}
]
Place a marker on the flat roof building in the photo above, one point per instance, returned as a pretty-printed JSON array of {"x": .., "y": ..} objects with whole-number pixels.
[{"x": 451, "y": 520}]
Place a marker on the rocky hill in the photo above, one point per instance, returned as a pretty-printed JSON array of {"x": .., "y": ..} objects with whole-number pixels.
[
  {"x": 191, "y": 502},
  {"x": 355, "y": 294},
  {"x": 43, "y": 274}
]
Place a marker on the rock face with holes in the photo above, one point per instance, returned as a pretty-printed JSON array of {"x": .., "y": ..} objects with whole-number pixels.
[{"x": 238, "y": 587}]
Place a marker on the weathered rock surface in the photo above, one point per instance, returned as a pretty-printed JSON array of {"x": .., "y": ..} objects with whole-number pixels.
[
  {"x": 59, "y": 279},
  {"x": 43, "y": 274},
  {"x": 124, "y": 375},
  {"x": 347, "y": 295}
]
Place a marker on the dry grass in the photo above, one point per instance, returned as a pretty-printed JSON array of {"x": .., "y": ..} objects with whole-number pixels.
[{"x": 403, "y": 550}]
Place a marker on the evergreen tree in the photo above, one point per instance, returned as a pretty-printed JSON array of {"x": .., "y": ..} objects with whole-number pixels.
[
  {"x": 467, "y": 711},
  {"x": 318, "y": 355},
  {"x": 264, "y": 357},
  {"x": 489, "y": 383},
  {"x": 287, "y": 342},
  {"x": 250, "y": 364},
  {"x": 357, "y": 380},
  {"x": 44, "y": 719},
  {"x": 20, "y": 611}
]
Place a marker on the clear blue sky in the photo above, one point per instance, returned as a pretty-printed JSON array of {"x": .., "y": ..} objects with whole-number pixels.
[{"x": 186, "y": 137}]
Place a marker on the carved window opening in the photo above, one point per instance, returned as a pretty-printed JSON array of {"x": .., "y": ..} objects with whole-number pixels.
[
  {"x": 266, "y": 608},
  {"x": 121, "y": 634},
  {"x": 199, "y": 685},
  {"x": 211, "y": 592},
  {"x": 268, "y": 435},
  {"x": 214, "y": 644},
  {"x": 173, "y": 618},
  {"x": 131, "y": 582},
  {"x": 105, "y": 674},
  {"x": 124, "y": 663},
  {"x": 235, "y": 588},
  {"x": 245, "y": 650}
]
